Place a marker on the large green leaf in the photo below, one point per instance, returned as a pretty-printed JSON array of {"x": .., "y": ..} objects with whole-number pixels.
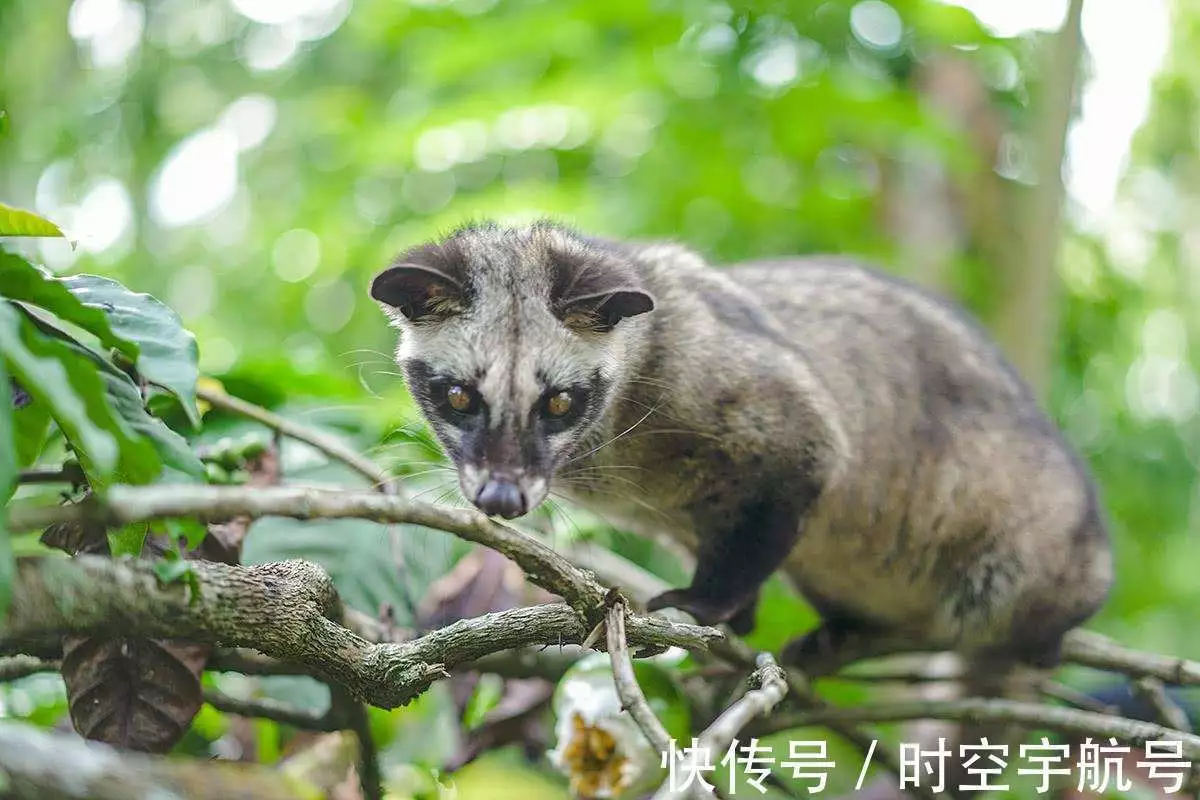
[
  {"x": 127, "y": 401},
  {"x": 70, "y": 387},
  {"x": 133, "y": 421},
  {"x": 17, "y": 222},
  {"x": 147, "y": 332},
  {"x": 8, "y": 484},
  {"x": 20, "y": 280},
  {"x": 167, "y": 352}
]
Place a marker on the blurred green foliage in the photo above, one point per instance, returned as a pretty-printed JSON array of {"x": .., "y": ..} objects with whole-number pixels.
[{"x": 253, "y": 162}]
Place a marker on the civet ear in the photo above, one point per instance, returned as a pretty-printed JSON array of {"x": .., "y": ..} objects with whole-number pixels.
[
  {"x": 418, "y": 292},
  {"x": 603, "y": 310},
  {"x": 594, "y": 290}
]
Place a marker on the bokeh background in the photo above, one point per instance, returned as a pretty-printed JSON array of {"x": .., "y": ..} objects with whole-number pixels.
[{"x": 254, "y": 162}]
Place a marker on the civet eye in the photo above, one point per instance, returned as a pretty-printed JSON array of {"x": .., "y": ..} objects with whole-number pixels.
[
  {"x": 460, "y": 398},
  {"x": 559, "y": 404}
]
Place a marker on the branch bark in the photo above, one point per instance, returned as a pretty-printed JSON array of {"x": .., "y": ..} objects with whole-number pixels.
[
  {"x": 22, "y": 666},
  {"x": 758, "y": 702},
  {"x": 1090, "y": 649},
  {"x": 32, "y": 762},
  {"x": 628, "y": 689},
  {"x": 1169, "y": 713},
  {"x": 287, "y": 611}
]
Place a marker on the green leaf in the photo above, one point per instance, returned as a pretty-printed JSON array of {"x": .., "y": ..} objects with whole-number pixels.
[
  {"x": 31, "y": 425},
  {"x": 191, "y": 531},
  {"x": 8, "y": 485},
  {"x": 128, "y": 540},
  {"x": 21, "y": 280},
  {"x": 126, "y": 400},
  {"x": 487, "y": 695},
  {"x": 70, "y": 388},
  {"x": 134, "y": 422},
  {"x": 17, "y": 222},
  {"x": 171, "y": 570},
  {"x": 167, "y": 354},
  {"x": 144, "y": 442},
  {"x": 3, "y": 123}
]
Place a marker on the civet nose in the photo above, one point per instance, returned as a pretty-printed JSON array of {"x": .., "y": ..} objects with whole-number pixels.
[{"x": 501, "y": 496}]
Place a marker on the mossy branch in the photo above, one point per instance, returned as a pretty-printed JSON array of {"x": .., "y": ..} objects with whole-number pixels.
[{"x": 289, "y": 611}]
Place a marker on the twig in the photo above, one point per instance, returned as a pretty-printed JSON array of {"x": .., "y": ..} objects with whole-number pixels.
[
  {"x": 634, "y": 581},
  {"x": 735, "y": 651},
  {"x": 771, "y": 687},
  {"x": 628, "y": 689},
  {"x": 892, "y": 674},
  {"x": 549, "y": 665},
  {"x": 1090, "y": 649},
  {"x": 327, "y": 444},
  {"x": 72, "y": 474},
  {"x": 1169, "y": 713},
  {"x": 907, "y": 675},
  {"x": 21, "y": 666},
  {"x": 124, "y": 505},
  {"x": 885, "y": 756},
  {"x": 249, "y": 662},
  {"x": 1072, "y": 696},
  {"x": 1067, "y": 720},
  {"x": 32, "y": 761},
  {"x": 266, "y": 708}
]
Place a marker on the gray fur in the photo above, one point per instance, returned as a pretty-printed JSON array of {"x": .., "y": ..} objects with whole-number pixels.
[{"x": 860, "y": 433}]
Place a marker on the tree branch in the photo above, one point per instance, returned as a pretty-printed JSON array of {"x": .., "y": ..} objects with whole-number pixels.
[
  {"x": 290, "y": 612},
  {"x": 32, "y": 762},
  {"x": 284, "y": 610},
  {"x": 643, "y": 585},
  {"x": 22, "y": 666},
  {"x": 771, "y": 686},
  {"x": 1090, "y": 649},
  {"x": 1169, "y": 713},
  {"x": 125, "y": 505},
  {"x": 250, "y": 662},
  {"x": 266, "y": 708},
  {"x": 628, "y": 689}
]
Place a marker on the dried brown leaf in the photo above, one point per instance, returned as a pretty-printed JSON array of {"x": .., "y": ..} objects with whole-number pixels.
[{"x": 137, "y": 694}]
